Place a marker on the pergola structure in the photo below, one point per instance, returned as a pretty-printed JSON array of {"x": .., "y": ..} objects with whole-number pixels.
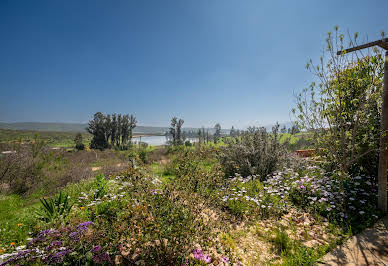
[{"x": 383, "y": 157}]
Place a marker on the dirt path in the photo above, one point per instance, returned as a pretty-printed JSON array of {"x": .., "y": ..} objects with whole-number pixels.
[
  {"x": 96, "y": 168},
  {"x": 367, "y": 248}
]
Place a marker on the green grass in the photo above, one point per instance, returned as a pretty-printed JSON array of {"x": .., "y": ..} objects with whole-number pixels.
[
  {"x": 16, "y": 219},
  {"x": 160, "y": 171},
  {"x": 53, "y": 139},
  {"x": 18, "y": 214}
]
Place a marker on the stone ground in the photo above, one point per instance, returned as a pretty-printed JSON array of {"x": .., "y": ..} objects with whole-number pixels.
[{"x": 367, "y": 248}]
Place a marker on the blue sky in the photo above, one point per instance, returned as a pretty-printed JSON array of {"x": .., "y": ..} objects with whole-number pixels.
[{"x": 207, "y": 61}]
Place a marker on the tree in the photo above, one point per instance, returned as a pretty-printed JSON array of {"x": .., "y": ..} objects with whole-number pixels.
[
  {"x": 294, "y": 129},
  {"x": 343, "y": 110},
  {"x": 78, "y": 142},
  {"x": 116, "y": 128},
  {"x": 283, "y": 129},
  {"x": 179, "y": 135},
  {"x": 96, "y": 127},
  {"x": 132, "y": 125},
  {"x": 173, "y": 130},
  {"x": 232, "y": 132},
  {"x": 200, "y": 137},
  {"x": 176, "y": 131},
  {"x": 217, "y": 134}
]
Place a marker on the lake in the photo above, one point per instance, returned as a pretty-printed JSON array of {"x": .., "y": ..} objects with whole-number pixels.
[
  {"x": 156, "y": 140},
  {"x": 151, "y": 140}
]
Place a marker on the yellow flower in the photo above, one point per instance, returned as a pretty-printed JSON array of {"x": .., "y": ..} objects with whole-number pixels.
[
  {"x": 20, "y": 225},
  {"x": 12, "y": 243},
  {"x": 82, "y": 208},
  {"x": 2, "y": 251}
]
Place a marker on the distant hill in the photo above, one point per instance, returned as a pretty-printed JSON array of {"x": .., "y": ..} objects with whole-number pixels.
[
  {"x": 40, "y": 126},
  {"x": 78, "y": 127}
]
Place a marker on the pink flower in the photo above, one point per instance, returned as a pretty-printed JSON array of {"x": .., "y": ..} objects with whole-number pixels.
[
  {"x": 206, "y": 258},
  {"x": 225, "y": 259},
  {"x": 198, "y": 254}
]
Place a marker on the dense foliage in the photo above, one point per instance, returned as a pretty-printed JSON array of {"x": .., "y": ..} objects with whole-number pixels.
[
  {"x": 255, "y": 152},
  {"x": 343, "y": 109},
  {"x": 111, "y": 130}
]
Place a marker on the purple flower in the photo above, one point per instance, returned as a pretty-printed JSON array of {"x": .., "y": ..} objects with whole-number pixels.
[
  {"x": 84, "y": 226},
  {"x": 18, "y": 256},
  {"x": 198, "y": 254},
  {"x": 74, "y": 236},
  {"x": 225, "y": 259},
  {"x": 206, "y": 258},
  {"x": 56, "y": 243},
  {"x": 96, "y": 249},
  {"x": 101, "y": 258},
  {"x": 42, "y": 236},
  {"x": 58, "y": 257}
]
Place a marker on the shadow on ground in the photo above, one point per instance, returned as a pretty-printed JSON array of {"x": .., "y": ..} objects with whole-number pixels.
[{"x": 370, "y": 247}]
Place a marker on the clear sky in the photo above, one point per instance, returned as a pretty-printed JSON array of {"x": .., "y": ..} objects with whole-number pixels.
[{"x": 234, "y": 62}]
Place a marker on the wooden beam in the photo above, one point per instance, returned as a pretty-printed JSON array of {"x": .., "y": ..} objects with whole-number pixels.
[{"x": 382, "y": 43}]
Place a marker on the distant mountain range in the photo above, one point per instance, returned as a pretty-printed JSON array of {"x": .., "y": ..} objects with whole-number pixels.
[{"x": 79, "y": 127}]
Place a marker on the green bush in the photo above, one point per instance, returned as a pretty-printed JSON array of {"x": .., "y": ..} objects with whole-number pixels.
[
  {"x": 54, "y": 208},
  {"x": 255, "y": 152},
  {"x": 197, "y": 171}
]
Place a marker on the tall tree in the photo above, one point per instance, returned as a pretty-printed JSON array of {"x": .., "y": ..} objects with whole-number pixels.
[
  {"x": 96, "y": 127},
  {"x": 217, "y": 134},
  {"x": 232, "y": 132},
  {"x": 132, "y": 125},
  {"x": 179, "y": 134},
  {"x": 173, "y": 129}
]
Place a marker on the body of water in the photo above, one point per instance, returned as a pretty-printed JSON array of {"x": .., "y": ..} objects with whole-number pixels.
[
  {"x": 152, "y": 140},
  {"x": 155, "y": 140}
]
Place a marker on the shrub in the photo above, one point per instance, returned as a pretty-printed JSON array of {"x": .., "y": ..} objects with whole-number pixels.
[
  {"x": 54, "y": 208},
  {"x": 197, "y": 171},
  {"x": 282, "y": 241},
  {"x": 255, "y": 152},
  {"x": 343, "y": 110},
  {"x": 101, "y": 184},
  {"x": 134, "y": 223}
]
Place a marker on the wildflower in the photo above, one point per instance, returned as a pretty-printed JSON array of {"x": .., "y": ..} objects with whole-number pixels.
[
  {"x": 2, "y": 251},
  {"x": 74, "y": 236},
  {"x": 20, "y": 248},
  {"x": 82, "y": 208},
  {"x": 12, "y": 243},
  {"x": 58, "y": 257},
  {"x": 361, "y": 212},
  {"x": 198, "y": 254},
  {"x": 101, "y": 258},
  {"x": 206, "y": 258},
  {"x": 96, "y": 249},
  {"x": 225, "y": 259},
  {"x": 20, "y": 224}
]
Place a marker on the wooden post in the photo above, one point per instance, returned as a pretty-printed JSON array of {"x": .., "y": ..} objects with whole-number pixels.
[{"x": 383, "y": 160}]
